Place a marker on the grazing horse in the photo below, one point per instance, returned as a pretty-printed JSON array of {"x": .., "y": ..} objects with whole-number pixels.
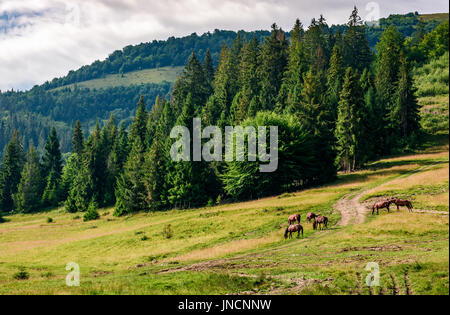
[
  {"x": 321, "y": 222},
  {"x": 381, "y": 205},
  {"x": 293, "y": 228},
  {"x": 402, "y": 202},
  {"x": 293, "y": 218},
  {"x": 310, "y": 216}
]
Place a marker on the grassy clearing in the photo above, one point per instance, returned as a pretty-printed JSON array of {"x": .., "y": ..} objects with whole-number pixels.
[
  {"x": 146, "y": 76},
  {"x": 235, "y": 248}
]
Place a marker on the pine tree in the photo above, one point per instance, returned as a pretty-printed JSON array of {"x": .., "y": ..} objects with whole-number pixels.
[
  {"x": 82, "y": 191},
  {"x": 348, "y": 125},
  {"x": 335, "y": 76},
  {"x": 317, "y": 119},
  {"x": 404, "y": 116},
  {"x": 139, "y": 126},
  {"x": 28, "y": 196},
  {"x": 208, "y": 70},
  {"x": 274, "y": 57},
  {"x": 296, "y": 67},
  {"x": 131, "y": 192},
  {"x": 389, "y": 50},
  {"x": 52, "y": 160},
  {"x": 155, "y": 167},
  {"x": 356, "y": 45},
  {"x": 10, "y": 172},
  {"x": 77, "y": 139},
  {"x": 193, "y": 82}
]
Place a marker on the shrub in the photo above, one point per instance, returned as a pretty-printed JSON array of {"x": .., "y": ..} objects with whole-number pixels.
[
  {"x": 21, "y": 274},
  {"x": 91, "y": 213},
  {"x": 167, "y": 231},
  {"x": 49, "y": 220}
]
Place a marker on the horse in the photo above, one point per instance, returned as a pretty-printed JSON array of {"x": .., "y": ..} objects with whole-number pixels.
[
  {"x": 310, "y": 216},
  {"x": 293, "y": 218},
  {"x": 381, "y": 205},
  {"x": 321, "y": 222},
  {"x": 402, "y": 202},
  {"x": 293, "y": 228}
]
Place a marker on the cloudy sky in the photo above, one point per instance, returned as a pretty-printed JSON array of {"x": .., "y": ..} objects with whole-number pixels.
[{"x": 42, "y": 39}]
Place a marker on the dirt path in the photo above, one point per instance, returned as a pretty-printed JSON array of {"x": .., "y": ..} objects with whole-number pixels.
[{"x": 353, "y": 211}]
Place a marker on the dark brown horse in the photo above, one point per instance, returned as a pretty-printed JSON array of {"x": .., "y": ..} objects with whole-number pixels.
[
  {"x": 321, "y": 222},
  {"x": 293, "y": 228},
  {"x": 402, "y": 202},
  {"x": 310, "y": 216},
  {"x": 293, "y": 218},
  {"x": 381, "y": 205}
]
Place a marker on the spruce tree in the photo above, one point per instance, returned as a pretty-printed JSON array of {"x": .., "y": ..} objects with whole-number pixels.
[
  {"x": 52, "y": 159},
  {"x": 335, "y": 76},
  {"x": 296, "y": 67},
  {"x": 274, "y": 57},
  {"x": 404, "y": 116},
  {"x": 348, "y": 125},
  {"x": 10, "y": 172},
  {"x": 356, "y": 45},
  {"x": 77, "y": 139},
  {"x": 131, "y": 192},
  {"x": 139, "y": 126},
  {"x": 28, "y": 196},
  {"x": 208, "y": 70}
]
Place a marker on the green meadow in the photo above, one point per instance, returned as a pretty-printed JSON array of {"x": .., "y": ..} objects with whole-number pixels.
[{"x": 240, "y": 248}]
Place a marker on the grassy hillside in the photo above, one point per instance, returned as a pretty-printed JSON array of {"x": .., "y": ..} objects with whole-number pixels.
[
  {"x": 441, "y": 17},
  {"x": 239, "y": 248},
  {"x": 158, "y": 75},
  {"x": 431, "y": 81}
]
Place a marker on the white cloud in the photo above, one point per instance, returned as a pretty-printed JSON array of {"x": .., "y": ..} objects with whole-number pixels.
[{"x": 43, "y": 39}]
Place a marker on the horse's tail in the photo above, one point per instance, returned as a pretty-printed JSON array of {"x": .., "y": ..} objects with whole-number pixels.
[
  {"x": 286, "y": 232},
  {"x": 325, "y": 222},
  {"x": 301, "y": 229}
]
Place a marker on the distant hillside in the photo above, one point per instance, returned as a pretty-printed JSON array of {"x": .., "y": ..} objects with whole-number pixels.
[{"x": 147, "y": 76}]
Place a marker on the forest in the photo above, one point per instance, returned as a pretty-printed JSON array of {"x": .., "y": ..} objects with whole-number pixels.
[
  {"x": 53, "y": 103},
  {"x": 338, "y": 104}
]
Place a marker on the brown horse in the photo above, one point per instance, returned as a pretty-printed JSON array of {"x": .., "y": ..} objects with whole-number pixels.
[
  {"x": 293, "y": 218},
  {"x": 310, "y": 216},
  {"x": 381, "y": 205},
  {"x": 402, "y": 202},
  {"x": 293, "y": 228},
  {"x": 321, "y": 222}
]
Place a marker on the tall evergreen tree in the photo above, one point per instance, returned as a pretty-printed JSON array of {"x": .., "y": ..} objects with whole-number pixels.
[
  {"x": 274, "y": 58},
  {"x": 10, "y": 171},
  {"x": 296, "y": 67},
  {"x": 389, "y": 50},
  {"x": 28, "y": 196},
  {"x": 348, "y": 125},
  {"x": 404, "y": 116},
  {"x": 139, "y": 126},
  {"x": 77, "y": 139},
  {"x": 52, "y": 159},
  {"x": 356, "y": 45},
  {"x": 335, "y": 76},
  {"x": 131, "y": 192}
]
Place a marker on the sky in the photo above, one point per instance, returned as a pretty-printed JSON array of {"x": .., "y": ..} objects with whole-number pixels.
[{"x": 43, "y": 39}]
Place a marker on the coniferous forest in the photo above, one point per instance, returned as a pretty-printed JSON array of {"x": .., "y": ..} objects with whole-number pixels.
[{"x": 337, "y": 102}]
